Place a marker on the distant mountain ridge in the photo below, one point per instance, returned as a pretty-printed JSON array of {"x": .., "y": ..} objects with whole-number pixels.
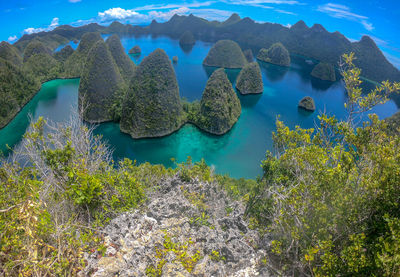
[{"x": 313, "y": 42}]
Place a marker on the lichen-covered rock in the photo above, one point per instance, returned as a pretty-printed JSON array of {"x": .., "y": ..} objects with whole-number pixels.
[
  {"x": 187, "y": 38},
  {"x": 100, "y": 83},
  {"x": 75, "y": 63},
  {"x": 324, "y": 71},
  {"x": 307, "y": 103},
  {"x": 9, "y": 53},
  {"x": 135, "y": 50},
  {"x": 64, "y": 53},
  {"x": 175, "y": 59},
  {"x": 219, "y": 106},
  {"x": 187, "y": 229},
  {"x": 249, "y": 80},
  {"x": 152, "y": 107},
  {"x": 249, "y": 55},
  {"x": 276, "y": 54},
  {"x": 124, "y": 63},
  {"x": 226, "y": 54}
]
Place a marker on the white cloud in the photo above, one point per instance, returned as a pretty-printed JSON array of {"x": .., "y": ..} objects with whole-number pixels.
[
  {"x": 395, "y": 60},
  {"x": 12, "y": 38},
  {"x": 285, "y": 12},
  {"x": 174, "y": 6},
  {"x": 74, "y": 1},
  {"x": 54, "y": 23},
  {"x": 265, "y": 4},
  {"x": 344, "y": 12},
  {"x": 163, "y": 13}
]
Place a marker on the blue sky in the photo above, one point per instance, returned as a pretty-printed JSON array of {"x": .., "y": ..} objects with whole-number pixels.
[{"x": 379, "y": 19}]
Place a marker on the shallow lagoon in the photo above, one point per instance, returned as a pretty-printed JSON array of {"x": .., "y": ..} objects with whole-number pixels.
[{"x": 240, "y": 151}]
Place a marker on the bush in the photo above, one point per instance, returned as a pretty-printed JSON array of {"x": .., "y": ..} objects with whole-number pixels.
[{"x": 329, "y": 197}]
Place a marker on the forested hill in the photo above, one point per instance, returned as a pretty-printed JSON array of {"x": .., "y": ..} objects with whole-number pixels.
[{"x": 313, "y": 42}]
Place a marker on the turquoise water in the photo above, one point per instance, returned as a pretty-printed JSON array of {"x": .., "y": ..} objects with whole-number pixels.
[{"x": 240, "y": 151}]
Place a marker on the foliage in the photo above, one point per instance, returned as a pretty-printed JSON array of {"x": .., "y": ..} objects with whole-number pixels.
[
  {"x": 276, "y": 54},
  {"x": 227, "y": 54},
  {"x": 219, "y": 107},
  {"x": 52, "y": 209},
  {"x": 124, "y": 63},
  {"x": 152, "y": 106},
  {"x": 101, "y": 83},
  {"x": 250, "y": 79},
  {"x": 180, "y": 250},
  {"x": 329, "y": 197},
  {"x": 324, "y": 71}
]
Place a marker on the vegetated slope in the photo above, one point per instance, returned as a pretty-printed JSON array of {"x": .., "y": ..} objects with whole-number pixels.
[
  {"x": 135, "y": 50},
  {"x": 249, "y": 55},
  {"x": 100, "y": 84},
  {"x": 16, "y": 89},
  {"x": 219, "y": 106},
  {"x": 152, "y": 107},
  {"x": 227, "y": 54},
  {"x": 74, "y": 64},
  {"x": 324, "y": 71},
  {"x": 64, "y": 53},
  {"x": 187, "y": 38},
  {"x": 9, "y": 53},
  {"x": 276, "y": 54},
  {"x": 124, "y": 63},
  {"x": 249, "y": 80},
  {"x": 315, "y": 42},
  {"x": 39, "y": 62}
]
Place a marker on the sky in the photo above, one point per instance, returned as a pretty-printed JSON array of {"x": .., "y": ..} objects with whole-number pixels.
[{"x": 379, "y": 19}]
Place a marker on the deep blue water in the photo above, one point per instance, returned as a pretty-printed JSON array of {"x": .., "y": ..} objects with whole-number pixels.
[{"x": 237, "y": 153}]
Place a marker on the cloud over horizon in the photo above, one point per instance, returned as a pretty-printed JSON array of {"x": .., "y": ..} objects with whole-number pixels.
[
  {"x": 54, "y": 24},
  {"x": 344, "y": 12}
]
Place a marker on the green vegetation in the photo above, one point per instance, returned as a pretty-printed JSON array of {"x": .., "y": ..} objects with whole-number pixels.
[
  {"x": 64, "y": 53},
  {"x": 394, "y": 123},
  {"x": 329, "y": 197},
  {"x": 324, "y": 71},
  {"x": 249, "y": 80},
  {"x": 9, "y": 53},
  {"x": 152, "y": 107},
  {"x": 35, "y": 47},
  {"x": 16, "y": 89},
  {"x": 76, "y": 62},
  {"x": 51, "y": 211},
  {"x": 219, "y": 107},
  {"x": 249, "y": 55},
  {"x": 135, "y": 50},
  {"x": 124, "y": 63},
  {"x": 276, "y": 54},
  {"x": 187, "y": 38},
  {"x": 307, "y": 103},
  {"x": 100, "y": 84},
  {"x": 226, "y": 54}
]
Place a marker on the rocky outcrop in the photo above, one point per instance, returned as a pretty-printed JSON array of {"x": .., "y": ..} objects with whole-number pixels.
[
  {"x": 135, "y": 50},
  {"x": 152, "y": 107},
  {"x": 187, "y": 38},
  {"x": 324, "y": 71},
  {"x": 100, "y": 83},
  {"x": 175, "y": 59},
  {"x": 186, "y": 229},
  {"x": 220, "y": 107},
  {"x": 249, "y": 80},
  {"x": 307, "y": 103},
  {"x": 226, "y": 54},
  {"x": 276, "y": 54},
  {"x": 124, "y": 63}
]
